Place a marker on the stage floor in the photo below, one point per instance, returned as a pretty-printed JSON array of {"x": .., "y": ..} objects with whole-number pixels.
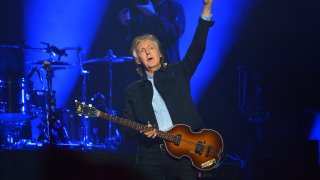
[{"x": 68, "y": 162}]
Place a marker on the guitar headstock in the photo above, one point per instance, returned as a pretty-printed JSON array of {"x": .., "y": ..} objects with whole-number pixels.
[{"x": 87, "y": 110}]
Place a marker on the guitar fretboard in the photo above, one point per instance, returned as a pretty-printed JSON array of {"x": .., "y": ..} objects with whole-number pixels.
[{"x": 137, "y": 126}]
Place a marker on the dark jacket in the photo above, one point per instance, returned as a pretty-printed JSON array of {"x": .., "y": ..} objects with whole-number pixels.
[{"x": 173, "y": 84}]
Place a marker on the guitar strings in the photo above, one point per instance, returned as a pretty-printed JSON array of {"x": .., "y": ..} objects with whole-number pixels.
[{"x": 190, "y": 145}]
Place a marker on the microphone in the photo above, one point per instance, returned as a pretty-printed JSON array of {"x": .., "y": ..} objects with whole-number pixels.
[{"x": 32, "y": 72}]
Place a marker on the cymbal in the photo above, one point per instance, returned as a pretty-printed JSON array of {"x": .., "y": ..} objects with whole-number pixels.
[
  {"x": 119, "y": 59},
  {"x": 55, "y": 65}
]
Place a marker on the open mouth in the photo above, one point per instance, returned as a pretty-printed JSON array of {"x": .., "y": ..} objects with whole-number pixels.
[{"x": 150, "y": 58}]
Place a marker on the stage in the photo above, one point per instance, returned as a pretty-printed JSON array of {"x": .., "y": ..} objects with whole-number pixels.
[{"x": 284, "y": 160}]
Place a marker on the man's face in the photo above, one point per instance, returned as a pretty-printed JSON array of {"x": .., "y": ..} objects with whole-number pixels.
[{"x": 149, "y": 55}]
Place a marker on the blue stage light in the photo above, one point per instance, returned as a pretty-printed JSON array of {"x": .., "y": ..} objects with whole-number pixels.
[
  {"x": 61, "y": 24},
  {"x": 315, "y": 131},
  {"x": 230, "y": 17}
]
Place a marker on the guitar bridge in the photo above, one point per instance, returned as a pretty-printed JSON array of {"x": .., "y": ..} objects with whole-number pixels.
[{"x": 208, "y": 163}]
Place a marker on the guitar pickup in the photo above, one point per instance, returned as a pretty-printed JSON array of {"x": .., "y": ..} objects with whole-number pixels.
[
  {"x": 199, "y": 147},
  {"x": 177, "y": 139},
  {"x": 208, "y": 151}
]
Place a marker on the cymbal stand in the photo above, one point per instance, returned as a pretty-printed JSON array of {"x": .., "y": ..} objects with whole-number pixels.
[
  {"x": 84, "y": 127},
  {"x": 110, "y": 56},
  {"x": 111, "y": 140}
]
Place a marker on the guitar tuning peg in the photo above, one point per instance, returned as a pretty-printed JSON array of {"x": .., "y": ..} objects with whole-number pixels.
[
  {"x": 79, "y": 114},
  {"x": 86, "y": 116},
  {"x": 90, "y": 105},
  {"x": 75, "y": 100}
]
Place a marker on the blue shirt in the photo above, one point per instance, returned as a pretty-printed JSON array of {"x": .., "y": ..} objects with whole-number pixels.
[
  {"x": 160, "y": 109},
  {"x": 207, "y": 18}
]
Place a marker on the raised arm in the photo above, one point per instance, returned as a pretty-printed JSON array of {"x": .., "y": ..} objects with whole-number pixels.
[{"x": 198, "y": 45}]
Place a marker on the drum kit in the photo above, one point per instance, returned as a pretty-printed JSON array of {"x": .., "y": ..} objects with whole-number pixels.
[{"x": 21, "y": 107}]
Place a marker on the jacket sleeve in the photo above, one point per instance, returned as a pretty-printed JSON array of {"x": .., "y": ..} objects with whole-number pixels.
[{"x": 197, "y": 48}]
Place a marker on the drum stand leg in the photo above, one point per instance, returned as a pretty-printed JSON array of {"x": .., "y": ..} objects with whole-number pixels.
[
  {"x": 52, "y": 127},
  {"x": 84, "y": 126},
  {"x": 114, "y": 138},
  {"x": 50, "y": 107}
]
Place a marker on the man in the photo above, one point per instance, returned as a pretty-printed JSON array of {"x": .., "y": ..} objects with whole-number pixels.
[
  {"x": 163, "y": 18},
  {"x": 161, "y": 98}
]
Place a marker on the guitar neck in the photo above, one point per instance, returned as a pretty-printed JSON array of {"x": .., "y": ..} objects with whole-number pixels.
[{"x": 137, "y": 126}]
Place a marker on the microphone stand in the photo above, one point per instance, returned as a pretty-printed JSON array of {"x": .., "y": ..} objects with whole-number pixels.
[{"x": 50, "y": 104}]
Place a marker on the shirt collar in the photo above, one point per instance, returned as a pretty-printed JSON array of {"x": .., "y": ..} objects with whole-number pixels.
[{"x": 145, "y": 76}]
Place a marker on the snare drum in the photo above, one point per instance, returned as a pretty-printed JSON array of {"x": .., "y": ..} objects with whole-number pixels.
[{"x": 14, "y": 99}]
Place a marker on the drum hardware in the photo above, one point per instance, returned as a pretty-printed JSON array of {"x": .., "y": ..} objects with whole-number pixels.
[
  {"x": 15, "y": 99},
  {"x": 54, "y": 50},
  {"x": 113, "y": 138},
  {"x": 52, "y": 129},
  {"x": 84, "y": 131},
  {"x": 98, "y": 127},
  {"x": 13, "y": 133},
  {"x": 52, "y": 126},
  {"x": 14, "y": 113},
  {"x": 32, "y": 71},
  {"x": 54, "y": 65},
  {"x": 60, "y": 132},
  {"x": 109, "y": 59},
  {"x": 48, "y": 134},
  {"x": 10, "y": 46},
  {"x": 54, "y": 59}
]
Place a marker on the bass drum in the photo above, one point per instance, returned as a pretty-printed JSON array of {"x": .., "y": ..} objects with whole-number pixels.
[{"x": 15, "y": 100}]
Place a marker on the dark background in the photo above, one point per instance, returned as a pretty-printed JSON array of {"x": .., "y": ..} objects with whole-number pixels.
[{"x": 280, "y": 43}]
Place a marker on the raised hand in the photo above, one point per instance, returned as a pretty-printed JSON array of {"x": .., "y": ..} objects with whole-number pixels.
[
  {"x": 207, "y": 7},
  {"x": 208, "y": 3}
]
